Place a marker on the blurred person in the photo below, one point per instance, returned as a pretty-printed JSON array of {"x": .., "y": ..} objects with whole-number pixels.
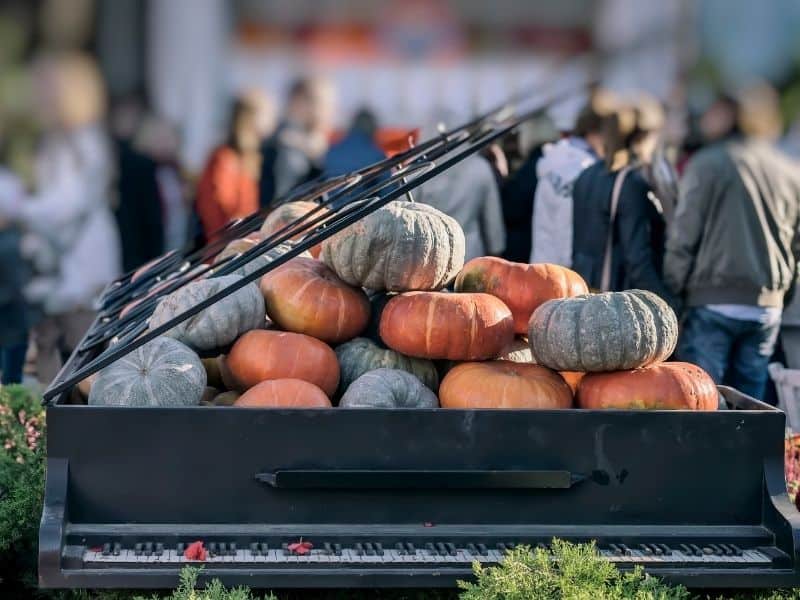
[
  {"x": 732, "y": 250},
  {"x": 228, "y": 186},
  {"x": 357, "y": 148},
  {"x": 518, "y": 191},
  {"x": 295, "y": 153},
  {"x": 618, "y": 242},
  {"x": 467, "y": 192},
  {"x": 579, "y": 147},
  {"x": 69, "y": 211},
  {"x": 138, "y": 211}
]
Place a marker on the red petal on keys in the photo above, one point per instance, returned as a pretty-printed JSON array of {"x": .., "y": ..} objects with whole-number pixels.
[
  {"x": 195, "y": 551},
  {"x": 96, "y": 549},
  {"x": 300, "y": 547}
]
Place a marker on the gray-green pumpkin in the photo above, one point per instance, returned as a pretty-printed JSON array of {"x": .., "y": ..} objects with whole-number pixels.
[
  {"x": 161, "y": 373},
  {"x": 613, "y": 331},
  {"x": 400, "y": 247},
  {"x": 219, "y": 324},
  {"x": 388, "y": 388},
  {"x": 361, "y": 355}
]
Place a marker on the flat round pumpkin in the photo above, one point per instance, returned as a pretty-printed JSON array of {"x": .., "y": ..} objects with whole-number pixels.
[
  {"x": 665, "y": 386},
  {"x": 264, "y": 355},
  {"x": 217, "y": 325},
  {"x": 305, "y": 296},
  {"x": 440, "y": 325},
  {"x": 613, "y": 331},
  {"x": 504, "y": 384},
  {"x": 283, "y": 393},
  {"x": 287, "y": 214},
  {"x": 161, "y": 373},
  {"x": 401, "y": 246},
  {"x": 523, "y": 287},
  {"x": 388, "y": 388}
]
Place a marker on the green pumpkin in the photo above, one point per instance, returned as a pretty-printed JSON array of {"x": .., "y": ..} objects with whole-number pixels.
[
  {"x": 388, "y": 388},
  {"x": 161, "y": 373},
  {"x": 361, "y": 355},
  {"x": 613, "y": 331}
]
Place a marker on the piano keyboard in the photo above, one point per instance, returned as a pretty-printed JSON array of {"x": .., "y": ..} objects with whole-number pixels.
[{"x": 432, "y": 553}]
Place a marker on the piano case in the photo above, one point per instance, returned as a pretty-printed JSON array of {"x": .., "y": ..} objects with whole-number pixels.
[{"x": 404, "y": 498}]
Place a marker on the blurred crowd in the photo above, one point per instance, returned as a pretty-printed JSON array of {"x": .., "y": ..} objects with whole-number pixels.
[{"x": 706, "y": 217}]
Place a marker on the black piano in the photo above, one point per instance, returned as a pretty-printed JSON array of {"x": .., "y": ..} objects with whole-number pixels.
[{"x": 404, "y": 498}]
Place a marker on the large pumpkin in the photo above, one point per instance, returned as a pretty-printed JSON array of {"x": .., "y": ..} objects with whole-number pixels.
[
  {"x": 217, "y": 325},
  {"x": 443, "y": 325},
  {"x": 161, "y": 373},
  {"x": 284, "y": 393},
  {"x": 521, "y": 286},
  {"x": 287, "y": 214},
  {"x": 401, "y": 246},
  {"x": 361, "y": 355},
  {"x": 263, "y": 355},
  {"x": 305, "y": 296},
  {"x": 503, "y": 384},
  {"x": 664, "y": 386},
  {"x": 388, "y": 388},
  {"x": 613, "y": 331}
]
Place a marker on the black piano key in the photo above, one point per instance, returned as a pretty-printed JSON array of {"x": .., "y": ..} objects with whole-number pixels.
[
  {"x": 696, "y": 550},
  {"x": 148, "y": 549},
  {"x": 686, "y": 550},
  {"x": 442, "y": 549},
  {"x": 379, "y": 549},
  {"x": 657, "y": 549},
  {"x": 232, "y": 549},
  {"x": 727, "y": 550},
  {"x": 502, "y": 548},
  {"x": 646, "y": 549},
  {"x": 625, "y": 550},
  {"x": 472, "y": 549},
  {"x": 410, "y": 548},
  {"x": 116, "y": 549},
  {"x": 327, "y": 548},
  {"x": 222, "y": 549},
  {"x": 736, "y": 550},
  {"x": 212, "y": 549},
  {"x": 716, "y": 550},
  {"x": 137, "y": 549},
  {"x": 431, "y": 548},
  {"x": 483, "y": 550},
  {"x": 106, "y": 549},
  {"x": 159, "y": 550},
  {"x": 667, "y": 550},
  {"x": 254, "y": 549},
  {"x": 359, "y": 549},
  {"x": 180, "y": 548},
  {"x": 337, "y": 549},
  {"x": 616, "y": 549},
  {"x": 264, "y": 548},
  {"x": 451, "y": 549},
  {"x": 400, "y": 548},
  {"x": 368, "y": 549},
  {"x": 285, "y": 548}
]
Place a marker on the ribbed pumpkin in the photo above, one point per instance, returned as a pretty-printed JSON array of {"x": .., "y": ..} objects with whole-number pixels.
[
  {"x": 305, "y": 296},
  {"x": 283, "y": 393},
  {"x": 517, "y": 351},
  {"x": 523, "y": 287},
  {"x": 388, "y": 388},
  {"x": 613, "y": 331},
  {"x": 503, "y": 384},
  {"x": 665, "y": 386},
  {"x": 161, "y": 373},
  {"x": 361, "y": 355},
  {"x": 287, "y": 214},
  {"x": 219, "y": 324},
  {"x": 401, "y": 246},
  {"x": 441, "y": 325},
  {"x": 264, "y": 355}
]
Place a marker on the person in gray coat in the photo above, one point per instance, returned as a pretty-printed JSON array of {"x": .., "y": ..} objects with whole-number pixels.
[{"x": 467, "y": 192}]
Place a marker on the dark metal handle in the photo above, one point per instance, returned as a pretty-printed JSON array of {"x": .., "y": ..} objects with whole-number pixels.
[{"x": 430, "y": 480}]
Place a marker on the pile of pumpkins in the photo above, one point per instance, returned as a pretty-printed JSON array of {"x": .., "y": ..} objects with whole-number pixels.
[{"x": 504, "y": 336}]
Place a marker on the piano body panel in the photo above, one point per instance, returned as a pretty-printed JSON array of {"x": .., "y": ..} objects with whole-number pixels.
[{"x": 630, "y": 477}]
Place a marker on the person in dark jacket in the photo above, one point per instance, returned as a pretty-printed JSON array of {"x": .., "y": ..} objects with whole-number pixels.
[
  {"x": 357, "y": 149},
  {"x": 626, "y": 250},
  {"x": 733, "y": 251}
]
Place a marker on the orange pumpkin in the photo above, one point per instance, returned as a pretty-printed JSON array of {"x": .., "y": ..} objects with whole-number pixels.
[
  {"x": 665, "y": 386},
  {"x": 286, "y": 214},
  {"x": 521, "y": 286},
  {"x": 447, "y": 326},
  {"x": 573, "y": 379},
  {"x": 261, "y": 355},
  {"x": 284, "y": 393},
  {"x": 305, "y": 296},
  {"x": 504, "y": 384}
]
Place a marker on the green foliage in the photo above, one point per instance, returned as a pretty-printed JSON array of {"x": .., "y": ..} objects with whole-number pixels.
[
  {"x": 567, "y": 572},
  {"x": 187, "y": 590}
]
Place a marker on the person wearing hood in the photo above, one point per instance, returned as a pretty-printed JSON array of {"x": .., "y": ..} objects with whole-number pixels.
[
  {"x": 70, "y": 211},
  {"x": 468, "y": 192},
  {"x": 557, "y": 169}
]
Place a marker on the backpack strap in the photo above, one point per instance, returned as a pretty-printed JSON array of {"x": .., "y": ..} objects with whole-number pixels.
[{"x": 605, "y": 279}]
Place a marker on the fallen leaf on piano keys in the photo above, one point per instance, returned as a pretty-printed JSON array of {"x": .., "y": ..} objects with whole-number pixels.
[
  {"x": 301, "y": 547},
  {"x": 195, "y": 551}
]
